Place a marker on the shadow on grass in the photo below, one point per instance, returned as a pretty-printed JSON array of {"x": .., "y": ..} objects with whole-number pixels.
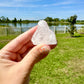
[{"x": 78, "y": 35}]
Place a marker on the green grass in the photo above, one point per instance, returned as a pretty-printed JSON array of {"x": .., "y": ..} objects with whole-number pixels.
[
  {"x": 4, "y": 26},
  {"x": 64, "y": 64},
  {"x": 5, "y": 39}
]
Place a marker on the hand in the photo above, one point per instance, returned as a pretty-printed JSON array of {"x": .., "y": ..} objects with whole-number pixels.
[{"x": 18, "y": 57}]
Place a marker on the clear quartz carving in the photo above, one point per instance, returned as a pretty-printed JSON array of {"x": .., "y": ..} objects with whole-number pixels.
[{"x": 43, "y": 34}]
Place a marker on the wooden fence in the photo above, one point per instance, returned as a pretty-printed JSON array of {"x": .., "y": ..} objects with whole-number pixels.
[
  {"x": 16, "y": 31},
  {"x": 12, "y": 30}
]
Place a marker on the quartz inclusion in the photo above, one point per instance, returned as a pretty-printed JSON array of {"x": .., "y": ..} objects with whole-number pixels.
[{"x": 43, "y": 34}]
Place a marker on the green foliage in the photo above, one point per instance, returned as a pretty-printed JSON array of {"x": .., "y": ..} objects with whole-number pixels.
[
  {"x": 72, "y": 21},
  {"x": 62, "y": 20},
  {"x": 56, "y": 19},
  {"x": 20, "y": 20},
  {"x": 2, "y": 19},
  {"x": 72, "y": 30},
  {"x": 7, "y": 19},
  {"x": 48, "y": 19},
  {"x": 15, "y": 20},
  {"x": 80, "y": 20}
]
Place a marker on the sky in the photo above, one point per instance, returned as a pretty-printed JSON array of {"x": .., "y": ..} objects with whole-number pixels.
[{"x": 40, "y": 9}]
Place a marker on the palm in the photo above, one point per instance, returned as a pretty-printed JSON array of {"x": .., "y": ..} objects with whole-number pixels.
[
  {"x": 11, "y": 56},
  {"x": 20, "y": 46},
  {"x": 18, "y": 55}
]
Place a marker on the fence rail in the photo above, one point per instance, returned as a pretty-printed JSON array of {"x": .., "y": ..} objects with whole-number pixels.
[
  {"x": 16, "y": 31},
  {"x": 12, "y": 30}
]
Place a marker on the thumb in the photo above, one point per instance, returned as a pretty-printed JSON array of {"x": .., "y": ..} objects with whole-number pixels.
[{"x": 35, "y": 55}]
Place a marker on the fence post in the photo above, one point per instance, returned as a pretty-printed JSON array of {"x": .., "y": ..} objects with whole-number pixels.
[
  {"x": 54, "y": 29},
  {"x": 6, "y": 31},
  {"x": 21, "y": 30},
  {"x": 65, "y": 29}
]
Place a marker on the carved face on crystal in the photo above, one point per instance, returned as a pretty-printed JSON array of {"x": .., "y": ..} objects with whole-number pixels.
[{"x": 43, "y": 34}]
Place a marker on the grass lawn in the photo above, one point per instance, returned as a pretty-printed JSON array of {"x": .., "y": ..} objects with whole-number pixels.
[
  {"x": 64, "y": 64},
  {"x": 5, "y": 39}
]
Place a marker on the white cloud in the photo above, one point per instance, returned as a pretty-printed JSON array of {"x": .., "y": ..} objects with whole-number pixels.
[
  {"x": 60, "y": 3},
  {"x": 19, "y": 3},
  {"x": 16, "y": 5},
  {"x": 26, "y": 0}
]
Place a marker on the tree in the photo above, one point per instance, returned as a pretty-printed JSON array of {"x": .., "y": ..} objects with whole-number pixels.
[
  {"x": 0, "y": 20},
  {"x": 62, "y": 20},
  {"x": 7, "y": 19},
  {"x": 56, "y": 19},
  {"x": 72, "y": 21},
  {"x": 3, "y": 19},
  {"x": 20, "y": 20},
  {"x": 15, "y": 20},
  {"x": 49, "y": 19}
]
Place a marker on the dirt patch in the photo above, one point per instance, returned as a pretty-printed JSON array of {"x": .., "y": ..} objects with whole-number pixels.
[
  {"x": 75, "y": 68},
  {"x": 2, "y": 41},
  {"x": 77, "y": 65}
]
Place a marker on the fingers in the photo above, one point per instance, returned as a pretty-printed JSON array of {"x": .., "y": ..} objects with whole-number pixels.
[
  {"x": 21, "y": 40},
  {"x": 7, "y": 55},
  {"x": 25, "y": 47},
  {"x": 25, "y": 53},
  {"x": 35, "y": 55}
]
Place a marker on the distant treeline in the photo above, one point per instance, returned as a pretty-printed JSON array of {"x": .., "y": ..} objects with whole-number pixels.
[
  {"x": 15, "y": 20},
  {"x": 48, "y": 19}
]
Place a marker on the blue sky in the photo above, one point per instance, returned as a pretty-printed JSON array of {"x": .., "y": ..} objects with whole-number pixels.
[{"x": 40, "y": 9}]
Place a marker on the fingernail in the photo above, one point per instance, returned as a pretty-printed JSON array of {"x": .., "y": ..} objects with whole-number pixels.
[{"x": 45, "y": 49}]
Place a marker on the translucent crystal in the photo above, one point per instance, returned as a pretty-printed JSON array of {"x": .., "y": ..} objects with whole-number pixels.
[{"x": 43, "y": 34}]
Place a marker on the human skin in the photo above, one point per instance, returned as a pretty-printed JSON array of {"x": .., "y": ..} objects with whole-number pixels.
[{"x": 18, "y": 58}]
